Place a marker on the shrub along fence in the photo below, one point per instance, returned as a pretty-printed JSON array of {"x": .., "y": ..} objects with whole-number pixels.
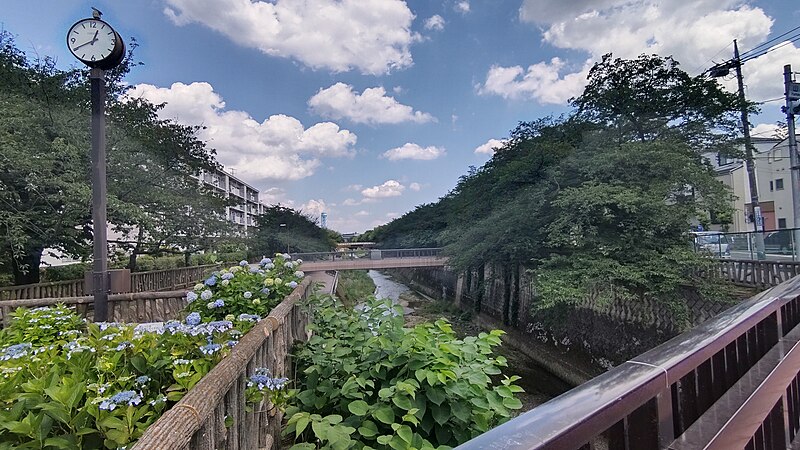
[
  {"x": 157, "y": 280},
  {"x": 213, "y": 414}
]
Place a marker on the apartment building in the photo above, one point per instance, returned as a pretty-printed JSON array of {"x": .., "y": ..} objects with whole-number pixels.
[
  {"x": 773, "y": 179},
  {"x": 248, "y": 206}
]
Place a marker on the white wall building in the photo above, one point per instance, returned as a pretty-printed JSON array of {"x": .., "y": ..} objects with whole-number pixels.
[
  {"x": 773, "y": 179},
  {"x": 248, "y": 207}
]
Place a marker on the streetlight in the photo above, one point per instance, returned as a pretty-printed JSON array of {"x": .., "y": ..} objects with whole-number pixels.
[{"x": 283, "y": 226}]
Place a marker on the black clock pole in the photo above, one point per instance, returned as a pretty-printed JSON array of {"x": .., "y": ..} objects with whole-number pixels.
[{"x": 99, "y": 222}]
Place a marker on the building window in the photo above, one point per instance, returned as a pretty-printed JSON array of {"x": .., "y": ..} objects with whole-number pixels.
[
  {"x": 781, "y": 223},
  {"x": 779, "y": 184},
  {"x": 771, "y": 186}
]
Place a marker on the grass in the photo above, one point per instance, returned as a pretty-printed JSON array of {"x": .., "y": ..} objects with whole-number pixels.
[{"x": 354, "y": 286}]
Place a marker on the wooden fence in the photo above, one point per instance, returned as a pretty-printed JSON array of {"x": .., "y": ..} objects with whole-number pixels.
[
  {"x": 758, "y": 274},
  {"x": 136, "y": 307},
  {"x": 198, "y": 421},
  {"x": 169, "y": 279},
  {"x": 157, "y": 280}
]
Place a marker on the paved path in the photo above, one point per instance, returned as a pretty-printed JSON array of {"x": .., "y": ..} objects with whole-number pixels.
[{"x": 323, "y": 278}]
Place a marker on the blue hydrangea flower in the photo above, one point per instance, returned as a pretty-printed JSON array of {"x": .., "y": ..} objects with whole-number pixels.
[
  {"x": 123, "y": 345},
  {"x": 299, "y": 274},
  {"x": 207, "y": 294},
  {"x": 219, "y": 326},
  {"x": 249, "y": 317},
  {"x": 269, "y": 266},
  {"x": 16, "y": 351},
  {"x": 210, "y": 349},
  {"x": 262, "y": 379},
  {"x": 248, "y": 294},
  {"x": 191, "y": 296},
  {"x": 211, "y": 281},
  {"x": 218, "y": 303},
  {"x": 131, "y": 398},
  {"x": 193, "y": 319},
  {"x": 227, "y": 276},
  {"x": 255, "y": 269},
  {"x": 265, "y": 291},
  {"x": 243, "y": 263},
  {"x": 265, "y": 261},
  {"x": 292, "y": 284},
  {"x": 142, "y": 380}
]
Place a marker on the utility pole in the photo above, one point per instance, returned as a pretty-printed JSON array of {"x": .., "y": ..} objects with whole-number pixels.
[
  {"x": 792, "y": 95},
  {"x": 748, "y": 158},
  {"x": 99, "y": 229}
]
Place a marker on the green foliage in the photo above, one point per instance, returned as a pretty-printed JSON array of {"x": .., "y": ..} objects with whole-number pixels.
[
  {"x": 299, "y": 233},
  {"x": 242, "y": 289},
  {"x": 153, "y": 200},
  {"x": 601, "y": 197},
  {"x": 66, "y": 272},
  {"x": 66, "y": 384},
  {"x": 354, "y": 285},
  {"x": 370, "y": 383}
]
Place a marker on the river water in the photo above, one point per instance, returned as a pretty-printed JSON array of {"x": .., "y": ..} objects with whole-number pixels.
[{"x": 386, "y": 287}]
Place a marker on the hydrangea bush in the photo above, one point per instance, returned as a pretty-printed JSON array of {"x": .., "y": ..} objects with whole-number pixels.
[
  {"x": 369, "y": 382},
  {"x": 245, "y": 289},
  {"x": 66, "y": 383}
]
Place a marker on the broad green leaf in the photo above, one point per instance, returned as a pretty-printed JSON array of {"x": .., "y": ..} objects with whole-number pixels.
[
  {"x": 358, "y": 407},
  {"x": 384, "y": 414}
]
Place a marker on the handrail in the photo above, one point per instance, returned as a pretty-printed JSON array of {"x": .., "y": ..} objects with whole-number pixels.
[
  {"x": 198, "y": 419},
  {"x": 368, "y": 253},
  {"x": 661, "y": 392}
]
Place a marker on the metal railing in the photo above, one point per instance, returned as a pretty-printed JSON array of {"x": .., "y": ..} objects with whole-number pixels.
[
  {"x": 731, "y": 382},
  {"x": 779, "y": 245},
  {"x": 369, "y": 254}
]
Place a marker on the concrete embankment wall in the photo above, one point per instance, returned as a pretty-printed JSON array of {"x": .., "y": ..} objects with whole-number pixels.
[{"x": 595, "y": 334}]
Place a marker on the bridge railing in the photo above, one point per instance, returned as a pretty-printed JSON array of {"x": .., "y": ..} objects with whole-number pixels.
[
  {"x": 758, "y": 274},
  {"x": 732, "y": 382},
  {"x": 369, "y": 254}
]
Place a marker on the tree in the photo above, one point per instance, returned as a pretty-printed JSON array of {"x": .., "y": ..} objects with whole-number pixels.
[
  {"x": 45, "y": 194},
  {"x": 651, "y": 98},
  {"x": 281, "y": 228}
]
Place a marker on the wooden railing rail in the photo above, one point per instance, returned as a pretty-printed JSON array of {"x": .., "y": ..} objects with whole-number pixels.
[
  {"x": 731, "y": 382},
  {"x": 169, "y": 279},
  {"x": 135, "y": 307},
  {"x": 156, "y": 280},
  {"x": 198, "y": 421},
  {"x": 68, "y": 288}
]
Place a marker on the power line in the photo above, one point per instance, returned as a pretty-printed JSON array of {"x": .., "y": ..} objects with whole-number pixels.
[
  {"x": 792, "y": 39},
  {"x": 769, "y": 41}
]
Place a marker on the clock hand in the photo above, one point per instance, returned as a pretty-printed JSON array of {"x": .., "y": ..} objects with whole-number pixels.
[{"x": 82, "y": 45}]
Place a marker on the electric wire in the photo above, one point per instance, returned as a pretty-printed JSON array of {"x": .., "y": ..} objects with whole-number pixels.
[
  {"x": 769, "y": 41},
  {"x": 792, "y": 39}
]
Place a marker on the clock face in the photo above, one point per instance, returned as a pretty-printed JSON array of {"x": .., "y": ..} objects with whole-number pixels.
[{"x": 91, "y": 40}]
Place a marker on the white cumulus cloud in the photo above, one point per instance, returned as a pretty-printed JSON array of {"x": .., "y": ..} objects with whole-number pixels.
[
  {"x": 765, "y": 130},
  {"x": 693, "y": 33},
  {"x": 462, "y": 6},
  {"x": 278, "y": 148},
  {"x": 371, "y": 106},
  {"x": 435, "y": 22},
  {"x": 372, "y": 36},
  {"x": 415, "y": 187},
  {"x": 413, "y": 151},
  {"x": 490, "y": 146},
  {"x": 390, "y": 188}
]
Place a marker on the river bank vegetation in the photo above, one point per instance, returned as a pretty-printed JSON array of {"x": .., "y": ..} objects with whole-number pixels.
[{"x": 599, "y": 200}]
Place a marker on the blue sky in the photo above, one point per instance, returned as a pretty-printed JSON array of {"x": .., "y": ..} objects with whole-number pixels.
[{"x": 366, "y": 108}]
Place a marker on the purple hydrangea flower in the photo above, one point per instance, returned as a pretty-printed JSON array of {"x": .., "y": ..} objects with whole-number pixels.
[
  {"x": 243, "y": 263},
  {"x": 191, "y": 296},
  {"x": 227, "y": 276},
  {"x": 211, "y": 281}
]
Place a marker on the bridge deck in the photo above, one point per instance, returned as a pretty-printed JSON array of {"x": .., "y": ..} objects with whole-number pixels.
[{"x": 365, "y": 263}]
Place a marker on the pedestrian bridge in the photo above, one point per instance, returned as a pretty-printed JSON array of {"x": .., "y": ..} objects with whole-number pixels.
[{"x": 371, "y": 259}]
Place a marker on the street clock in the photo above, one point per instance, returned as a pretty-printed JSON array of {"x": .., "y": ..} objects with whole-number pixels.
[{"x": 95, "y": 44}]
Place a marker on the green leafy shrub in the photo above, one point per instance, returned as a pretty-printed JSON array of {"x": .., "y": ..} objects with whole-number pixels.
[
  {"x": 95, "y": 386},
  {"x": 67, "y": 384},
  {"x": 65, "y": 272},
  {"x": 368, "y": 382},
  {"x": 245, "y": 289}
]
